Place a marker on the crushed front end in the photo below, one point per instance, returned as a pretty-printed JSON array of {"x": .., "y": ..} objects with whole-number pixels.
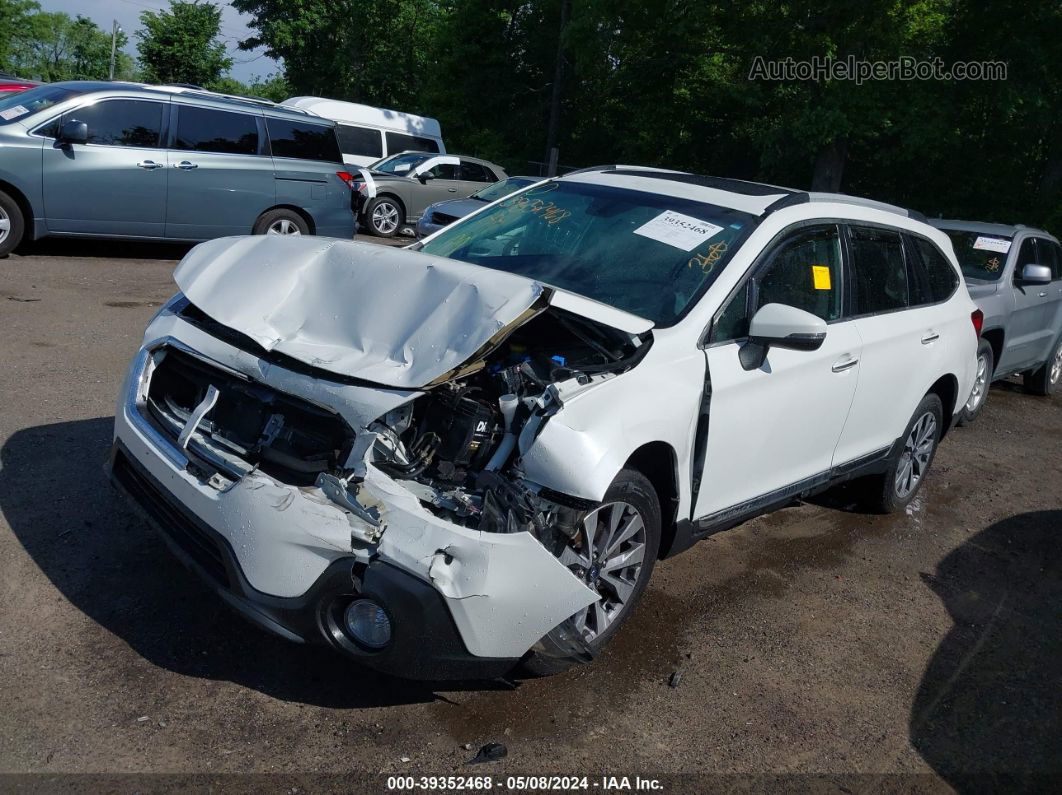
[{"x": 392, "y": 523}]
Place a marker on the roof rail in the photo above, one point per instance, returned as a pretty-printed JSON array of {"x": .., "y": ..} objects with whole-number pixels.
[{"x": 859, "y": 201}]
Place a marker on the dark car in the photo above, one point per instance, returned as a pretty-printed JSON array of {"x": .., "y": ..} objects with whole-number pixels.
[{"x": 441, "y": 214}]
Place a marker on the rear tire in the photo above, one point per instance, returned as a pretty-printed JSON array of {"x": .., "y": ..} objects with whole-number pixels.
[
  {"x": 600, "y": 621},
  {"x": 894, "y": 490},
  {"x": 384, "y": 216},
  {"x": 986, "y": 363},
  {"x": 1046, "y": 380},
  {"x": 12, "y": 224},
  {"x": 281, "y": 222}
]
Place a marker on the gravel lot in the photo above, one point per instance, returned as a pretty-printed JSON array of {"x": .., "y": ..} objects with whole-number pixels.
[{"x": 817, "y": 640}]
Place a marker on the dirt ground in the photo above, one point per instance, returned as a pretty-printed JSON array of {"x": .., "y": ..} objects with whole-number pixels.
[{"x": 816, "y": 646}]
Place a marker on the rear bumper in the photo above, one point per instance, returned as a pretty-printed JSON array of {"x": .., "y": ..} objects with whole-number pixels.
[{"x": 425, "y": 644}]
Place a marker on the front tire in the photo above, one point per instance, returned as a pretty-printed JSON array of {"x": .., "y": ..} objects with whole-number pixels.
[
  {"x": 614, "y": 552},
  {"x": 12, "y": 224},
  {"x": 986, "y": 363},
  {"x": 1045, "y": 381},
  {"x": 384, "y": 216},
  {"x": 907, "y": 471}
]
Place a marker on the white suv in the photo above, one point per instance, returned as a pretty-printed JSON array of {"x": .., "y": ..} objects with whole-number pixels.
[{"x": 448, "y": 460}]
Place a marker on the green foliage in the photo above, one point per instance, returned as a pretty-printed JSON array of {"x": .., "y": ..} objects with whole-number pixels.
[
  {"x": 181, "y": 46},
  {"x": 373, "y": 51},
  {"x": 53, "y": 46},
  {"x": 657, "y": 82}
]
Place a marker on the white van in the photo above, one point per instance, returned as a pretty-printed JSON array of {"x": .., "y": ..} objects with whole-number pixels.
[{"x": 367, "y": 134}]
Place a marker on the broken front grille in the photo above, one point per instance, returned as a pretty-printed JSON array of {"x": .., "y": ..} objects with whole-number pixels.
[{"x": 286, "y": 437}]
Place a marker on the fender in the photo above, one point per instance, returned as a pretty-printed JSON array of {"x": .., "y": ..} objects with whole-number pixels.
[{"x": 581, "y": 448}]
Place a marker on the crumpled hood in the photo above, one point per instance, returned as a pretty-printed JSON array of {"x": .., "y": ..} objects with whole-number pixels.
[{"x": 391, "y": 316}]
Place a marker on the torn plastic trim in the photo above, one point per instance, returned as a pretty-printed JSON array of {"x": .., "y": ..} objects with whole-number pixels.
[{"x": 505, "y": 591}]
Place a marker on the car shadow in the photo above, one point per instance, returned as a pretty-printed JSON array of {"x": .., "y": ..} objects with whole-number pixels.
[
  {"x": 109, "y": 564},
  {"x": 988, "y": 712},
  {"x": 111, "y": 249}
]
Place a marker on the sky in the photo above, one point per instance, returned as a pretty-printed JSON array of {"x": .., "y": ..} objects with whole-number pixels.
[{"x": 233, "y": 28}]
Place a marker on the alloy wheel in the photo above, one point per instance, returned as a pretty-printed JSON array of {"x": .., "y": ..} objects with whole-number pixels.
[
  {"x": 608, "y": 553},
  {"x": 385, "y": 218},
  {"x": 5, "y": 225},
  {"x": 917, "y": 450},
  {"x": 980, "y": 387},
  {"x": 283, "y": 226},
  {"x": 1056, "y": 363}
]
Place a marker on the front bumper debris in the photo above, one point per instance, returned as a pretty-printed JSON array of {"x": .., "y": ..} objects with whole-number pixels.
[{"x": 465, "y": 601}]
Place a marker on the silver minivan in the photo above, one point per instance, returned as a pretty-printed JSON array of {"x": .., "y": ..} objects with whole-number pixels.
[{"x": 130, "y": 161}]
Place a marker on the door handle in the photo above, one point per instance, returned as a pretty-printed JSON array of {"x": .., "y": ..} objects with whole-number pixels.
[
  {"x": 184, "y": 165},
  {"x": 929, "y": 337},
  {"x": 844, "y": 364},
  {"x": 150, "y": 165},
  {"x": 1043, "y": 294},
  {"x": 451, "y": 190}
]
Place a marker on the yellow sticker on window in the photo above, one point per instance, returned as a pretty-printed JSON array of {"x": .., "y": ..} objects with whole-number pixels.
[{"x": 820, "y": 275}]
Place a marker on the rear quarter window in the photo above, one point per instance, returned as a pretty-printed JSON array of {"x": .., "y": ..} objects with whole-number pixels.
[
  {"x": 942, "y": 277},
  {"x": 303, "y": 140}
]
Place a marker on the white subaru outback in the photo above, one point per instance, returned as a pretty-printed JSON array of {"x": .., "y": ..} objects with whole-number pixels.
[{"x": 451, "y": 459}]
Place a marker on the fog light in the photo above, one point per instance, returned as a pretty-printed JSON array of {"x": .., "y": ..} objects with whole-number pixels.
[{"x": 368, "y": 623}]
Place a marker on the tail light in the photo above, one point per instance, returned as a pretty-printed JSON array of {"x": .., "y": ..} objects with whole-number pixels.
[
  {"x": 978, "y": 319},
  {"x": 348, "y": 179}
]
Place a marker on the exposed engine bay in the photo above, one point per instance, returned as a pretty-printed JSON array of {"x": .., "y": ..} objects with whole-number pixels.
[{"x": 458, "y": 446}]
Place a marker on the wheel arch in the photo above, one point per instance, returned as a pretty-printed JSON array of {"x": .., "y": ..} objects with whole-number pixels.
[
  {"x": 659, "y": 463},
  {"x": 386, "y": 194},
  {"x": 300, "y": 211},
  {"x": 947, "y": 389},
  {"x": 994, "y": 337},
  {"x": 28, "y": 217}
]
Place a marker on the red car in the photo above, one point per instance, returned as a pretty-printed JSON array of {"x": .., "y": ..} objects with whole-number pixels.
[{"x": 9, "y": 83}]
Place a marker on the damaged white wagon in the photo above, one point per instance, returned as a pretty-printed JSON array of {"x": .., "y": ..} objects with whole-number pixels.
[{"x": 451, "y": 459}]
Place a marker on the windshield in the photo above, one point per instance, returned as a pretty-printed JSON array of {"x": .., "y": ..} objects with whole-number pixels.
[
  {"x": 643, "y": 253},
  {"x": 399, "y": 164},
  {"x": 23, "y": 103},
  {"x": 981, "y": 257},
  {"x": 498, "y": 190}
]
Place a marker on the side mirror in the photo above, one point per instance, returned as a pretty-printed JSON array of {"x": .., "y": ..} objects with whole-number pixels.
[
  {"x": 73, "y": 132},
  {"x": 781, "y": 326},
  {"x": 1035, "y": 274},
  {"x": 424, "y": 176}
]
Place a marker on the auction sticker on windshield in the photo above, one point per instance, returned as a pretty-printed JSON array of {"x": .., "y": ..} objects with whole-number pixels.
[
  {"x": 992, "y": 244},
  {"x": 678, "y": 230},
  {"x": 13, "y": 113}
]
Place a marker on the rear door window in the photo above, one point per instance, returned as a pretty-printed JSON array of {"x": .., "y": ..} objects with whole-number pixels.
[
  {"x": 879, "y": 272},
  {"x": 474, "y": 172},
  {"x": 400, "y": 142},
  {"x": 121, "y": 122},
  {"x": 208, "y": 130},
  {"x": 303, "y": 140},
  {"x": 359, "y": 141}
]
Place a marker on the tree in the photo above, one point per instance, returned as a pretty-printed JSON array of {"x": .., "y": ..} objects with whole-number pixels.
[
  {"x": 14, "y": 16},
  {"x": 53, "y": 46},
  {"x": 180, "y": 45},
  {"x": 372, "y": 51}
]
